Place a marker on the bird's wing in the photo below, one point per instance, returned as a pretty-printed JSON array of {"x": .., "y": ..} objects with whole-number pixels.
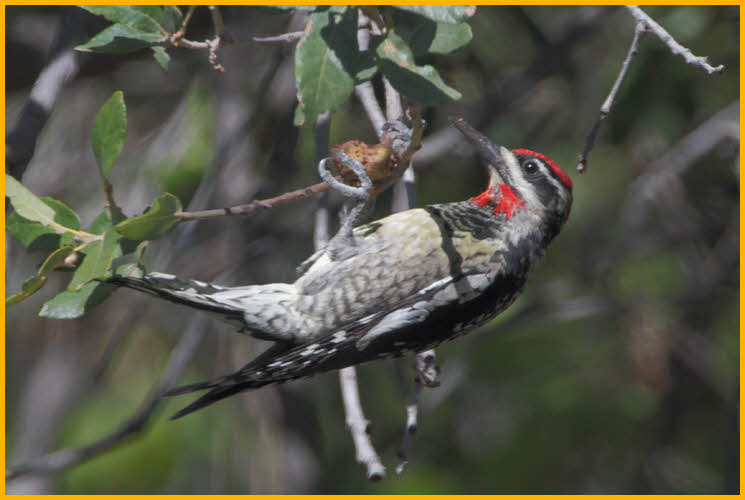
[
  {"x": 399, "y": 256},
  {"x": 383, "y": 334}
]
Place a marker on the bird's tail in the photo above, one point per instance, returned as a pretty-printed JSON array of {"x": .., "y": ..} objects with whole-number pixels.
[
  {"x": 222, "y": 387},
  {"x": 197, "y": 294}
]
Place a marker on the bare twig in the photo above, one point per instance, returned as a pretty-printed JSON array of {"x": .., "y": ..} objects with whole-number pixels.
[
  {"x": 404, "y": 192},
  {"x": 366, "y": 96},
  {"x": 220, "y": 30},
  {"x": 222, "y": 37},
  {"x": 252, "y": 208},
  {"x": 69, "y": 457},
  {"x": 182, "y": 31},
  {"x": 417, "y": 131},
  {"x": 364, "y": 91},
  {"x": 393, "y": 108},
  {"x": 321, "y": 225},
  {"x": 404, "y": 198},
  {"x": 442, "y": 142},
  {"x": 644, "y": 24},
  {"x": 283, "y": 38},
  {"x": 359, "y": 425},
  {"x": 350, "y": 393},
  {"x": 610, "y": 100},
  {"x": 256, "y": 206},
  {"x": 668, "y": 40},
  {"x": 428, "y": 374}
]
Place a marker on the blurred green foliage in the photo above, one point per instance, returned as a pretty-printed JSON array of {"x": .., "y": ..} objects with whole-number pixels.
[{"x": 615, "y": 372}]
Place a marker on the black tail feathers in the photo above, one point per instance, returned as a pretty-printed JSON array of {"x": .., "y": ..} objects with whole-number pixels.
[{"x": 222, "y": 387}]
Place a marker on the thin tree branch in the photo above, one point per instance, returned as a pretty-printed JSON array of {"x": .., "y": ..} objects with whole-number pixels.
[
  {"x": 404, "y": 192},
  {"x": 220, "y": 30},
  {"x": 610, "y": 100},
  {"x": 283, "y": 38},
  {"x": 355, "y": 418},
  {"x": 393, "y": 108},
  {"x": 668, "y": 40},
  {"x": 321, "y": 224},
  {"x": 404, "y": 198},
  {"x": 358, "y": 425},
  {"x": 428, "y": 374},
  {"x": 364, "y": 91},
  {"x": 222, "y": 37},
  {"x": 69, "y": 457},
  {"x": 252, "y": 208}
]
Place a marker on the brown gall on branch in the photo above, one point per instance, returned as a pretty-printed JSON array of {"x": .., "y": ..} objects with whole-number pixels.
[{"x": 380, "y": 161}]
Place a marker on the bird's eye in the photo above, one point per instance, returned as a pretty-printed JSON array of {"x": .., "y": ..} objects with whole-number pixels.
[{"x": 530, "y": 166}]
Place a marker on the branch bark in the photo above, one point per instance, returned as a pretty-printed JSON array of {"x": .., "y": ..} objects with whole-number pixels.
[
  {"x": 673, "y": 45},
  {"x": 611, "y": 99},
  {"x": 355, "y": 417}
]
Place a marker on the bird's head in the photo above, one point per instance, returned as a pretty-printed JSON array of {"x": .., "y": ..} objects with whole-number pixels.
[{"x": 520, "y": 179}]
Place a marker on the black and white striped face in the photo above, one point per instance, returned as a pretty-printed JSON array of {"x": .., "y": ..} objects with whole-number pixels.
[
  {"x": 520, "y": 179},
  {"x": 539, "y": 181}
]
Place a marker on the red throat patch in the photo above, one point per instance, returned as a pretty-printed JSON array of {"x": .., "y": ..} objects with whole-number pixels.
[{"x": 505, "y": 202}]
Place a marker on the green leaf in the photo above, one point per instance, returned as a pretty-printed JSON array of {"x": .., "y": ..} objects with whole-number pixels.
[
  {"x": 175, "y": 18},
  {"x": 161, "y": 57},
  {"x": 32, "y": 235},
  {"x": 35, "y": 236},
  {"x": 420, "y": 83},
  {"x": 34, "y": 283},
  {"x": 69, "y": 305},
  {"x": 29, "y": 287},
  {"x": 366, "y": 67},
  {"x": 109, "y": 132},
  {"x": 120, "y": 39},
  {"x": 155, "y": 222},
  {"x": 63, "y": 214},
  {"x": 130, "y": 270},
  {"x": 441, "y": 13},
  {"x": 326, "y": 60},
  {"x": 100, "y": 224},
  {"x": 141, "y": 18},
  {"x": 32, "y": 208},
  {"x": 97, "y": 261},
  {"x": 55, "y": 259},
  {"x": 440, "y": 38},
  {"x": 166, "y": 17},
  {"x": 26, "y": 203}
]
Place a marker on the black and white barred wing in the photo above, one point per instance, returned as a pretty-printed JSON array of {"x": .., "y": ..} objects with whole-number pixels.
[{"x": 413, "y": 325}]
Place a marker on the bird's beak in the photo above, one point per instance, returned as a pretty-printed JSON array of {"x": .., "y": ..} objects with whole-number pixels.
[{"x": 491, "y": 154}]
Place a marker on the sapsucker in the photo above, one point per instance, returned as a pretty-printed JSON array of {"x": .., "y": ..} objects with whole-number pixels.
[{"x": 406, "y": 283}]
